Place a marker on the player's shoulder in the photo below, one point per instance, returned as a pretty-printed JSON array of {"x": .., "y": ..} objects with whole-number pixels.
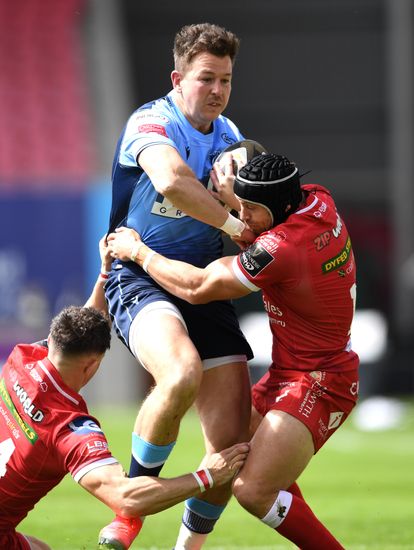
[
  {"x": 315, "y": 193},
  {"x": 159, "y": 111},
  {"x": 23, "y": 354}
]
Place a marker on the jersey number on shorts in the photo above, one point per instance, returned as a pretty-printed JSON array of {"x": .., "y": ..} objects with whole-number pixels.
[{"x": 6, "y": 450}]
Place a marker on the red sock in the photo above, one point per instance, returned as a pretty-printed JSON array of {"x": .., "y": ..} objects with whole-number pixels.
[
  {"x": 294, "y": 489},
  {"x": 302, "y": 527}
]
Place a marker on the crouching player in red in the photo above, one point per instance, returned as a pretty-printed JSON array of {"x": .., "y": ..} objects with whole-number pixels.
[
  {"x": 47, "y": 431},
  {"x": 303, "y": 263}
]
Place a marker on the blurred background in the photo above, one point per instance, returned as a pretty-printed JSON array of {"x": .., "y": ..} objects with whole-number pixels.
[{"x": 329, "y": 83}]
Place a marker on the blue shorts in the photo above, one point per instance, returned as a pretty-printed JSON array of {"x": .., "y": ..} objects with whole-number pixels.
[{"x": 213, "y": 327}]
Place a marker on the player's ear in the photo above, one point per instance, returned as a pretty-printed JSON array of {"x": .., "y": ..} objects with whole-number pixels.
[{"x": 176, "y": 77}]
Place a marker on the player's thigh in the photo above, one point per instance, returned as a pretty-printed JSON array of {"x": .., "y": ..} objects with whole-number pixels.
[
  {"x": 255, "y": 421},
  {"x": 165, "y": 348},
  {"x": 280, "y": 450},
  {"x": 223, "y": 404}
]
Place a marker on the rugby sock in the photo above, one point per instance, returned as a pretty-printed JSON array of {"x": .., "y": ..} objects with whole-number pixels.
[
  {"x": 147, "y": 459},
  {"x": 198, "y": 520},
  {"x": 295, "y": 490},
  {"x": 291, "y": 517}
]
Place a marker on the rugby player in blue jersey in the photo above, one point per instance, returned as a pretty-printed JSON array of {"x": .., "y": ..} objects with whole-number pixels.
[{"x": 195, "y": 353}]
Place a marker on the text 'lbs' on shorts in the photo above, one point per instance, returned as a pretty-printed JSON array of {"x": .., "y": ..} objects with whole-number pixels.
[
  {"x": 213, "y": 327},
  {"x": 321, "y": 400}
]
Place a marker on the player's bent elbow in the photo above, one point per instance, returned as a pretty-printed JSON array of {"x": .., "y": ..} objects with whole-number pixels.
[
  {"x": 196, "y": 298},
  {"x": 129, "y": 504},
  {"x": 131, "y": 509},
  {"x": 200, "y": 290}
]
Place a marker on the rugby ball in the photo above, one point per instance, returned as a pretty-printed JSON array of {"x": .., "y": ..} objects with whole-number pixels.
[{"x": 241, "y": 151}]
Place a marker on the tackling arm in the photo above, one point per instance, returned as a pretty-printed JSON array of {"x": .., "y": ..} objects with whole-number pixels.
[
  {"x": 97, "y": 297},
  {"x": 197, "y": 286},
  {"x": 144, "y": 495}
]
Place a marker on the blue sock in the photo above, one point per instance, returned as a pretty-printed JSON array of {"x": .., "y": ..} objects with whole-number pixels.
[
  {"x": 147, "y": 459},
  {"x": 200, "y": 516}
]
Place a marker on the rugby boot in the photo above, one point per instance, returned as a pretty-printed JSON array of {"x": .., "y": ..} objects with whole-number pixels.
[{"x": 119, "y": 534}]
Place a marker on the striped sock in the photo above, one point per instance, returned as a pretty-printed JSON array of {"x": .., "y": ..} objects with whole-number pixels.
[
  {"x": 147, "y": 459},
  {"x": 200, "y": 516}
]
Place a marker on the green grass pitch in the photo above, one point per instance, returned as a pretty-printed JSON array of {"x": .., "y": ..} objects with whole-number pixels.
[{"x": 361, "y": 486}]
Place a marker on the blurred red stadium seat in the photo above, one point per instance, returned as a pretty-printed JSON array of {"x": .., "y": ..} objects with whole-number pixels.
[{"x": 46, "y": 121}]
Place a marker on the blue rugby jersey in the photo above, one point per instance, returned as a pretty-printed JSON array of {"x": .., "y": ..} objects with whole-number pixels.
[{"x": 136, "y": 203}]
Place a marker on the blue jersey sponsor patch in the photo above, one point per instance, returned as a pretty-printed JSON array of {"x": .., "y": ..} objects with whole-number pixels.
[{"x": 84, "y": 425}]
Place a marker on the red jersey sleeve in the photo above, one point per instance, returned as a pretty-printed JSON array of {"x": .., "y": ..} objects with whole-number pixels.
[
  {"x": 268, "y": 261},
  {"x": 83, "y": 446}
]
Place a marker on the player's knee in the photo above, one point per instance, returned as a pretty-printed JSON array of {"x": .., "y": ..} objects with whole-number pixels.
[
  {"x": 181, "y": 387},
  {"x": 248, "y": 496}
]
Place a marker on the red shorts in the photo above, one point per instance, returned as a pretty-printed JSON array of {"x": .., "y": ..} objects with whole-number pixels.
[
  {"x": 319, "y": 399},
  {"x": 14, "y": 541}
]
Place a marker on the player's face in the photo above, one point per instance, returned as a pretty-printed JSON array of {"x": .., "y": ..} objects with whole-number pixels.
[
  {"x": 203, "y": 89},
  {"x": 256, "y": 217}
]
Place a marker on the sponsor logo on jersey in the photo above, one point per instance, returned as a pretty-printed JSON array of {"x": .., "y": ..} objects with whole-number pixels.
[
  {"x": 282, "y": 395},
  {"x": 227, "y": 139},
  {"x": 324, "y": 238},
  {"x": 271, "y": 308},
  {"x": 163, "y": 207},
  {"x": 271, "y": 241},
  {"x": 152, "y": 129},
  {"x": 336, "y": 231},
  {"x": 151, "y": 118},
  {"x": 96, "y": 446},
  {"x": 255, "y": 259},
  {"x": 338, "y": 261},
  {"x": 317, "y": 375},
  {"x": 28, "y": 406},
  {"x": 322, "y": 429},
  {"x": 84, "y": 425},
  {"x": 311, "y": 397},
  {"x": 29, "y": 433},
  {"x": 321, "y": 210},
  {"x": 354, "y": 388},
  {"x": 36, "y": 376}
]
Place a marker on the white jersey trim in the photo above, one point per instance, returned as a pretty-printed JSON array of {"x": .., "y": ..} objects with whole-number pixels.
[
  {"x": 59, "y": 389},
  {"x": 242, "y": 277},
  {"x": 313, "y": 203},
  {"x": 103, "y": 462}
]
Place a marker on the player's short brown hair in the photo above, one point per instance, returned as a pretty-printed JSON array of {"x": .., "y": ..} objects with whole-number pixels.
[
  {"x": 80, "y": 330},
  {"x": 191, "y": 40}
]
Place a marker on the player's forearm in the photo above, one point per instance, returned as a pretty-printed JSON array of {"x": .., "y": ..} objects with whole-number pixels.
[
  {"x": 190, "y": 196},
  {"x": 143, "y": 495},
  {"x": 97, "y": 297},
  {"x": 146, "y": 495},
  {"x": 187, "y": 194},
  {"x": 179, "y": 278}
]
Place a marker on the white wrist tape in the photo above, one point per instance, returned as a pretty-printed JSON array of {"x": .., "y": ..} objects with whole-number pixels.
[
  {"x": 204, "y": 479},
  {"x": 135, "y": 250},
  {"x": 233, "y": 226},
  {"x": 147, "y": 260}
]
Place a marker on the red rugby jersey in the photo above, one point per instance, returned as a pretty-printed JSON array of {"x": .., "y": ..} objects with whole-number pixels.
[
  {"x": 306, "y": 270},
  {"x": 45, "y": 432}
]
